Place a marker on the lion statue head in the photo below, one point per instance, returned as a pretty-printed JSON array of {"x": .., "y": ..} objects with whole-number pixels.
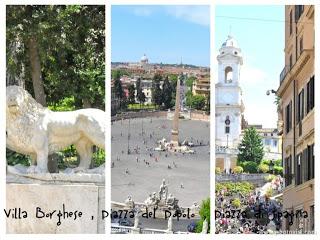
[{"x": 19, "y": 101}]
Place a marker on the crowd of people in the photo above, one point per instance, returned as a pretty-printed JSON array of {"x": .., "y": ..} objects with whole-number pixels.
[{"x": 258, "y": 211}]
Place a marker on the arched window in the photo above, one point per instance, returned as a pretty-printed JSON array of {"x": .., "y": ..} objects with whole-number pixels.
[{"x": 228, "y": 74}]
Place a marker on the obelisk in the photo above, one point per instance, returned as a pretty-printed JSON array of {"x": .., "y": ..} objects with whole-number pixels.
[{"x": 175, "y": 128}]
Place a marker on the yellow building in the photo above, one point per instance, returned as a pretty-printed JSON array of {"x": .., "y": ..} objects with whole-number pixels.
[
  {"x": 201, "y": 86},
  {"x": 296, "y": 92}
]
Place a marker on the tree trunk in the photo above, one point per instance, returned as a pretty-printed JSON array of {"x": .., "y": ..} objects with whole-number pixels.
[
  {"x": 39, "y": 90},
  {"x": 36, "y": 71},
  {"x": 86, "y": 103}
]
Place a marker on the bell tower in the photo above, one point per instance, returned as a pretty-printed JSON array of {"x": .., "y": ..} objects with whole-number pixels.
[{"x": 229, "y": 105}]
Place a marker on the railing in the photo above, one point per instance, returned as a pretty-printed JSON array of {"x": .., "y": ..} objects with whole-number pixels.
[
  {"x": 121, "y": 229},
  {"x": 225, "y": 149},
  {"x": 202, "y": 88},
  {"x": 255, "y": 178},
  {"x": 305, "y": 53},
  {"x": 283, "y": 73},
  {"x": 152, "y": 231},
  {"x": 128, "y": 230}
]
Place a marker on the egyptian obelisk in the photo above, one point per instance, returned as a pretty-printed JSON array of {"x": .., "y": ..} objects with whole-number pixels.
[{"x": 175, "y": 128}]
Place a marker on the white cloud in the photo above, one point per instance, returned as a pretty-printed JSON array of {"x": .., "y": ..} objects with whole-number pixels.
[
  {"x": 143, "y": 11},
  {"x": 252, "y": 75},
  {"x": 261, "y": 113},
  {"x": 195, "y": 14}
]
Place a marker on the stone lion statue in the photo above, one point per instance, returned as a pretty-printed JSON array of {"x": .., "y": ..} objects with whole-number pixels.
[{"x": 34, "y": 130}]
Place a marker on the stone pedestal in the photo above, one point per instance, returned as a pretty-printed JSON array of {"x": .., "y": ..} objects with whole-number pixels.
[
  {"x": 38, "y": 197},
  {"x": 175, "y": 138},
  {"x": 135, "y": 231}
]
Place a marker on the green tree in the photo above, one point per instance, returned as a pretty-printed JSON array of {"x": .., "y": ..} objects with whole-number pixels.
[
  {"x": 141, "y": 97},
  {"x": 249, "y": 166},
  {"x": 198, "y": 102},
  {"x": 173, "y": 78},
  {"x": 157, "y": 96},
  {"x": 204, "y": 214},
  {"x": 118, "y": 89},
  {"x": 167, "y": 93},
  {"x": 120, "y": 72},
  {"x": 58, "y": 45},
  {"x": 207, "y": 107},
  {"x": 251, "y": 147},
  {"x": 189, "y": 82},
  {"x": 131, "y": 97}
]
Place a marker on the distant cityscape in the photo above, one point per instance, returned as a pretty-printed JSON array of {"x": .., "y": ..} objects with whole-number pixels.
[{"x": 195, "y": 82}]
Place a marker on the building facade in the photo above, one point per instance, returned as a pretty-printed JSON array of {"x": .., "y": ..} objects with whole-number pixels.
[
  {"x": 201, "y": 86},
  {"x": 296, "y": 123},
  {"x": 228, "y": 104},
  {"x": 272, "y": 142}
]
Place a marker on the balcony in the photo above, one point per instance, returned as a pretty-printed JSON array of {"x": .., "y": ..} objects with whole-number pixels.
[
  {"x": 197, "y": 88},
  {"x": 288, "y": 73},
  {"x": 283, "y": 73}
]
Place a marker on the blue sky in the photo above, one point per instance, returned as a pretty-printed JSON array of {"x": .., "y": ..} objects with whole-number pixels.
[
  {"x": 262, "y": 45},
  {"x": 164, "y": 33}
]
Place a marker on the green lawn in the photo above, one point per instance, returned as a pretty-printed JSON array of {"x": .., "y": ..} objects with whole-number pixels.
[{"x": 137, "y": 106}]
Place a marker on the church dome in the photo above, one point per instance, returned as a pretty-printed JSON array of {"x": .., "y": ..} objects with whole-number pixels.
[
  {"x": 230, "y": 42},
  {"x": 144, "y": 58}
]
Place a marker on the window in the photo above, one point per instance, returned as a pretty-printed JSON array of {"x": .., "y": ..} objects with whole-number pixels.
[
  {"x": 300, "y": 106},
  {"x": 305, "y": 157},
  {"x": 227, "y": 122},
  {"x": 290, "y": 22},
  {"x": 310, "y": 95},
  {"x": 275, "y": 143},
  {"x": 290, "y": 61},
  {"x": 301, "y": 44},
  {"x": 268, "y": 141},
  {"x": 311, "y": 161},
  {"x": 298, "y": 10},
  {"x": 288, "y": 171},
  {"x": 228, "y": 75},
  {"x": 288, "y": 115},
  {"x": 305, "y": 165},
  {"x": 298, "y": 172}
]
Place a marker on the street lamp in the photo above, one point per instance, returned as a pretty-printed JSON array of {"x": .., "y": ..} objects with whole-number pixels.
[
  {"x": 271, "y": 167},
  {"x": 270, "y": 91},
  {"x": 227, "y": 140}
]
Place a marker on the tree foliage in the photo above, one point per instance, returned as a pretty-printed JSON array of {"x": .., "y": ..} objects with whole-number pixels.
[
  {"x": 141, "y": 97},
  {"x": 70, "y": 41},
  {"x": 251, "y": 147},
  {"x": 167, "y": 93},
  {"x": 189, "y": 82},
  {"x": 249, "y": 166},
  {"x": 157, "y": 96},
  {"x": 57, "y": 53},
  {"x": 204, "y": 214},
  {"x": 195, "y": 101},
  {"x": 131, "y": 97}
]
